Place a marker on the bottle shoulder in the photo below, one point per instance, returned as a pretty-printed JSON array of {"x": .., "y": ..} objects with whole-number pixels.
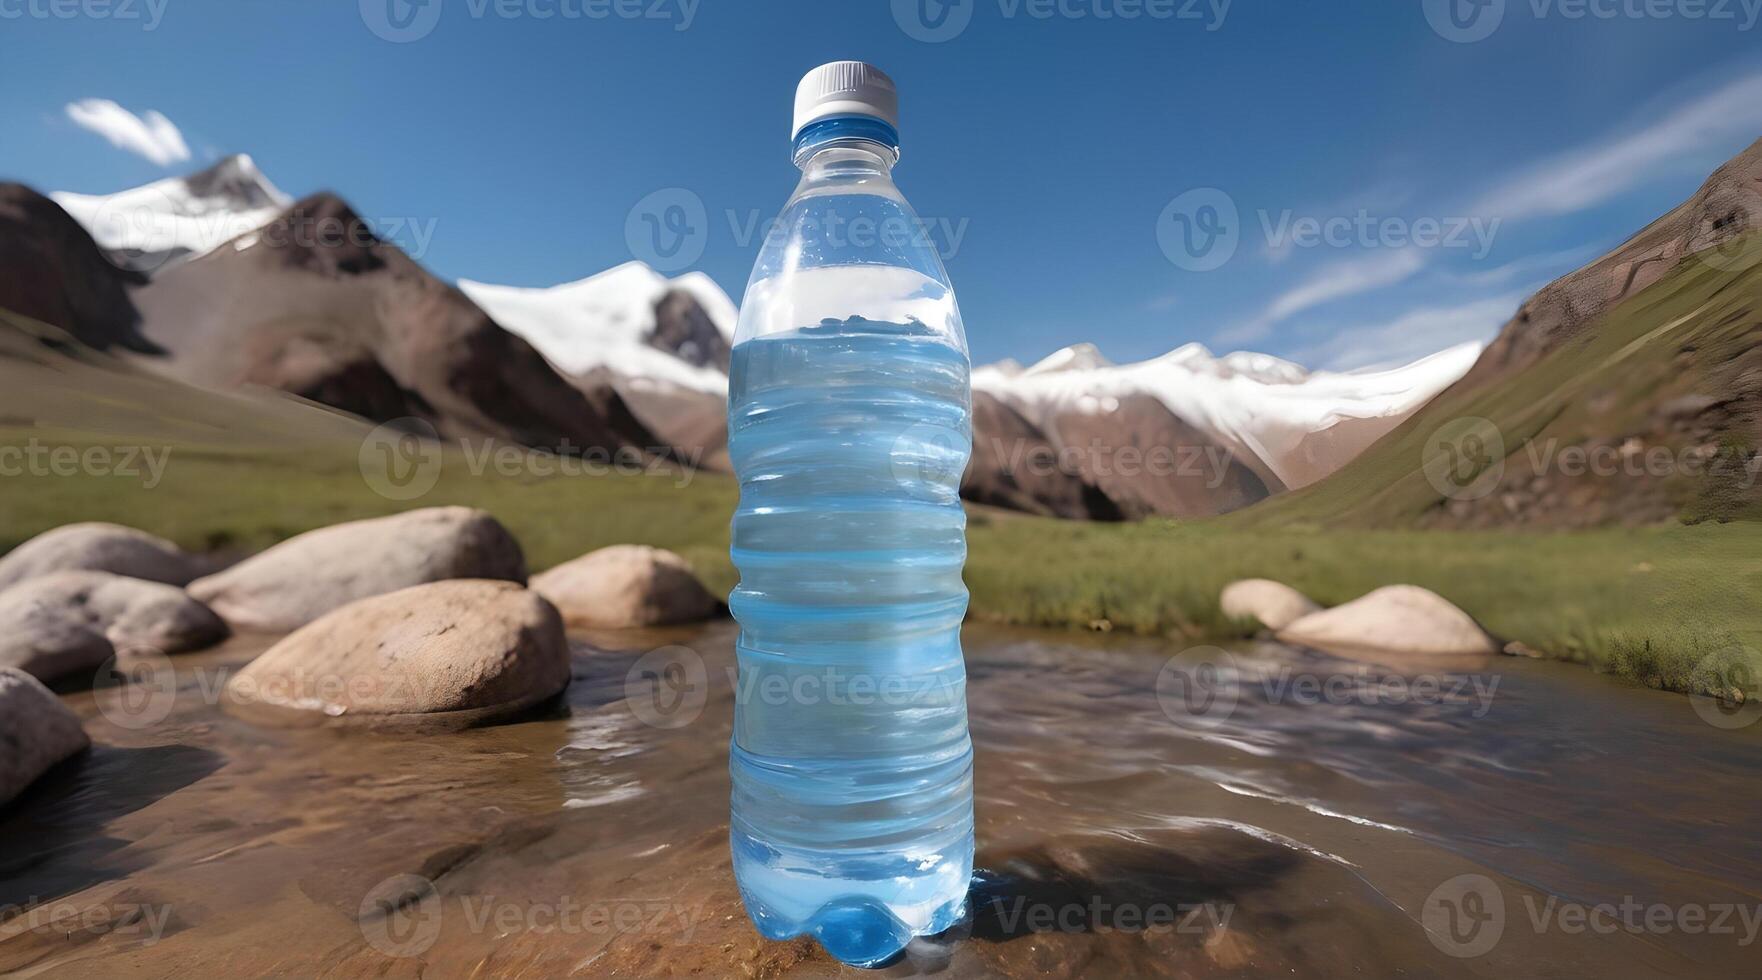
[{"x": 849, "y": 249}]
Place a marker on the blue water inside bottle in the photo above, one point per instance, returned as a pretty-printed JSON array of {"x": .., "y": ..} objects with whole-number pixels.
[{"x": 852, "y": 816}]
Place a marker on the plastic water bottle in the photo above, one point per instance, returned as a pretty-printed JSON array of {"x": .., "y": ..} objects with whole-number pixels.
[{"x": 849, "y": 424}]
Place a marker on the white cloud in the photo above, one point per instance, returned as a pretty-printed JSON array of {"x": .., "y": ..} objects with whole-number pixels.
[
  {"x": 151, "y": 135},
  {"x": 1381, "y": 199},
  {"x": 1337, "y": 281},
  {"x": 1591, "y": 174},
  {"x": 1412, "y": 335},
  {"x": 1548, "y": 264}
]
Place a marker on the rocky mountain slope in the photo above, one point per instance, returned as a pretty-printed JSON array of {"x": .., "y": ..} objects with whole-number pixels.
[
  {"x": 1713, "y": 224},
  {"x": 50, "y": 270},
  {"x": 315, "y": 304},
  {"x": 1628, "y": 392}
]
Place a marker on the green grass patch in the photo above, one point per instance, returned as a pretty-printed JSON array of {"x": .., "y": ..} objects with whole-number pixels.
[{"x": 1647, "y": 604}]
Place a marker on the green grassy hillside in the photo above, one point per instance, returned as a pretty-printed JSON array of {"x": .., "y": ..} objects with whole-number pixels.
[{"x": 1695, "y": 334}]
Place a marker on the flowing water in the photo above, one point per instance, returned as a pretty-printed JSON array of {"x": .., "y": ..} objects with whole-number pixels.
[{"x": 1319, "y": 818}]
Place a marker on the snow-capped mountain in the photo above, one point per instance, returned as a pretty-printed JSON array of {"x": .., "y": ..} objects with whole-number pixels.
[
  {"x": 1301, "y": 425},
  {"x": 178, "y": 218},
  {"x": 662, "y": 345},
  {"x": 609, "y": 321}
]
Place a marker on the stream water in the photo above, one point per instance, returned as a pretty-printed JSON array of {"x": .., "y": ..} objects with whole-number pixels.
[{"x": 1141, "y": 811}]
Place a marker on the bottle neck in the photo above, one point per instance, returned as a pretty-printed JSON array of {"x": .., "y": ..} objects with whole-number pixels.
[{"x": 854, "y": 142}]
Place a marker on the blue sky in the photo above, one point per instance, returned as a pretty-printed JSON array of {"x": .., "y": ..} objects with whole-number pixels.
[{"x": 1070, "y": 156}]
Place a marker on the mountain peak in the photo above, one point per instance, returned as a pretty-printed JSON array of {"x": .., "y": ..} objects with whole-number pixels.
[
  {"x": 1077, "y": 357},
  {"x": 1264, "y": 368},
  {"x": 236, "y": 182},
  {"x": 168, "y": 221}
]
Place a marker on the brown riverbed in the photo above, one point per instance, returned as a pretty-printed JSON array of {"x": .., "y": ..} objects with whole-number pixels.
[{"x": 1293, "y": 832}]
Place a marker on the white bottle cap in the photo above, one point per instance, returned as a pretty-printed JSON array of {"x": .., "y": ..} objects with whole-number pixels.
[{"x": 845, "y": 88}]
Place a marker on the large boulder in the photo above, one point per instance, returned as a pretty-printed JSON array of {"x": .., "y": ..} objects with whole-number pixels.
[
  {"x": 306, "y": 576},
  {"x": 443, "y": 655},
  {"x": 36, "y": 732},
  {"x": 100, "y": 547},
  {"x": 1395, "y": 619},
  {"x": 45, "y": 642},
  {"x": 131, "y": 613},
  {"x": 624, "y": 586},
  {"x": 1274, "y": 605}
]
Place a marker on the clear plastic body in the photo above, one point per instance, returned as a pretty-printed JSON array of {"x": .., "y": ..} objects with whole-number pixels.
[{"x": 849, "y": 425}]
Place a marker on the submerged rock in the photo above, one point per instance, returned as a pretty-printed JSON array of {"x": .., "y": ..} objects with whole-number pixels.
[
  {"x": 443, "y": 654},
  {"x": 100, "y": 547},
  {"x": 625, "y": 586},
  {"x": 131, "y": 613},
  {"x": 37, "y": 731},
  {"x": 306, "y": 576},
  {"x": 1395, "y": 619},
  {"x": 1274, "y": 605}
]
